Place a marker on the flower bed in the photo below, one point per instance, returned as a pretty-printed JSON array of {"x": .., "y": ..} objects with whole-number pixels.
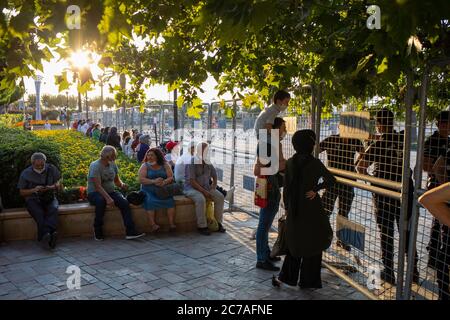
[
  {"x": 39, "y": 123},
  {"x": 78, "y": 151}
]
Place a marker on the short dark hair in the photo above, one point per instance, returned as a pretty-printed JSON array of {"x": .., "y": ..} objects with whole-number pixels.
[
  {"x": 443, "y": 116},
  {"x": 125, "y": 134},
  {"x": 159, "y": 156},
  {"x": 385, "y": 117},
  {"x": 280, "y": 95},
  {"x": 278, "y": 122}
]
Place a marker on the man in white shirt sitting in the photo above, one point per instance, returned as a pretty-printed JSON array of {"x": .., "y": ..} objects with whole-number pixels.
[{"x": 182, "y": 161}]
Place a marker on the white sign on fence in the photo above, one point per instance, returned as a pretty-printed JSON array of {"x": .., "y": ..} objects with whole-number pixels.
[
  {"x": 355, "y": 124},
  {"x": 291, "y": 124}
]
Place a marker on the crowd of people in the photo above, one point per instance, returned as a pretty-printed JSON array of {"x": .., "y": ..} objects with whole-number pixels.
[
  {"x": 164, "y": 172},
  {"x": 308, "y": 232}
]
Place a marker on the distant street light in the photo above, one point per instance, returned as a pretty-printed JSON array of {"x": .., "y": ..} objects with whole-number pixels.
[{"x": 37, "y": 84}]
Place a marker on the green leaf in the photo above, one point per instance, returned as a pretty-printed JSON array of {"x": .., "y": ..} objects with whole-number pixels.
[
  {"x": 382, "y": 66},
  {"x": 361, "y": 64},
  {"x": 180, "y": 101}
]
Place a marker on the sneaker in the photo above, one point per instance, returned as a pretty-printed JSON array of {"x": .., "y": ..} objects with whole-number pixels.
[
  {"x": 45, "y": 241},
  {"x": 204, "y": 231},
  {"x": 274, "y": 259},
  {"x": 98, "y": 235},
  {"x": 134, "y": 235},
  {"x": 229, "y": 194},
  {"x": 221, "y": 228},
  {"x": 267, "y": 265},
  {"x": 388, "y": 276},
  {"x": 53, "y": 238}
]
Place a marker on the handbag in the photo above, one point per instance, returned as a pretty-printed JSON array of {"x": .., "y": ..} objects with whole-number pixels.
[
  {"x": 213, "y": 225},
  {"x": 261, "y": 191},
  {"x": 280, "y": 246},
  {"x": 167, "y": 191}
]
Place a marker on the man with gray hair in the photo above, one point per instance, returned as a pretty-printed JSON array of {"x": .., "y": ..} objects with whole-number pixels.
[
  {"x": 197, "y": 186},
  {"x": 37, "y": 184},
  {"x": 103, "y": 177}
]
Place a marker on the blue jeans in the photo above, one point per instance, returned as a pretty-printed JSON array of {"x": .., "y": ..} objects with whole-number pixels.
[
  {"x": 97, "y": 200},
  {"x": 266, "y": 216}
]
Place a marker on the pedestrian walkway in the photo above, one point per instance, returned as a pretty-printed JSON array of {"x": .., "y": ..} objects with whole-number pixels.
[{"x": 161, "y": 266}]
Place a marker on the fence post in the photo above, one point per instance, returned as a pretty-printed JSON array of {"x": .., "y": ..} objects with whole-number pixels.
[
  {"x": 417, "y": 185},
  {"x": 318, "y": 113},
  {"x": 141, "y": 119},
  {"x": 405, "y": 184},
  {"x": 209, "y": 123},
  {"x": 233, "y": 148}
]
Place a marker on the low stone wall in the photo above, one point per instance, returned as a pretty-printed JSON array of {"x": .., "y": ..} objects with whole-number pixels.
[{"x": 78, "y": 219}]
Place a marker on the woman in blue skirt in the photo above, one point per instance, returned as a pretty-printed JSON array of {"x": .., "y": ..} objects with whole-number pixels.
[{"x": 154, "y": 173}]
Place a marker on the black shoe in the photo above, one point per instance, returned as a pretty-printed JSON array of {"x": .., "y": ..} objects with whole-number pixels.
[
  {"x": 221, "y": 228},
  {"x": 275, "y": 282},
  {"x": 98, "y": 235},
  {"x": 204, "y": 231},
  {"x": 45, "y": 241},
  {"x": 134, "y": 235},
  {"x": 388, "y": 276},
  {"x": 53, "y": 238},
  {"x": 266, "y": 265},
  {"x": 274, "y": 259}
]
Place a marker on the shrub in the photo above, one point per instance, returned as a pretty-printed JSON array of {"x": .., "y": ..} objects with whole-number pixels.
[{"x": 10, "y": 119}]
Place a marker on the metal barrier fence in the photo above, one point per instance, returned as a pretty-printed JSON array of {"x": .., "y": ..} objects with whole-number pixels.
[{"x": 377, "y": 230}]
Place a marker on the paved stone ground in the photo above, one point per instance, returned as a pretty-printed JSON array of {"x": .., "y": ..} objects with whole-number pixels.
[{"x": 161, "y": 266}]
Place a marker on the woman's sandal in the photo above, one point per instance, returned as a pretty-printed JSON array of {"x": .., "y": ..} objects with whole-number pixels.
[
  {"x": 155, "y": 228},
  {"x": 275, "y": 282}
]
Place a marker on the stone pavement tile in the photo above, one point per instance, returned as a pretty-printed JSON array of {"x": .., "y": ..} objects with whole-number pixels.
[
  {"x": 13, "y": 295},
  {"x": 7, "y": 288},
  {"x": 145, "y": 276},
  {"x": 46, "y": 279},
  {"x": 139, "y": 287},
  {"x": 116, "y": 285},
  {"x": 171, "y": 277},
  {"x": 192, "y": 295},
  {"x": 160, "y": 283},
  {"x": 209, "y": 294},
  {"x": 180, "y": 287},
  {"x": 145, "y": 296},
  {"x": 128, "y": 292},
  {"x": 35, "y": 291},
  {"x": 18, "y": 276},
  {"x": 168, "y": 294},
  {"x": 3, "y": 279}
]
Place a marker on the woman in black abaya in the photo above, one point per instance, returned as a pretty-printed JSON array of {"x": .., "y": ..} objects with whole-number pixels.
[{"x": 308, "y": 230}]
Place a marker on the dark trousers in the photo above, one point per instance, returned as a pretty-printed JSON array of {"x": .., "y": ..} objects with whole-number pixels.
[
  {"x": 434, "y": 244},
  {"x": 387, "y": 211},
  {"x": 443, "y": 264},
  {"x": 97, "y": 200},
  {"x": 345, "y": 195},
  {"x": 45, "y": 215},
  {"x": 309, "y": 269}
]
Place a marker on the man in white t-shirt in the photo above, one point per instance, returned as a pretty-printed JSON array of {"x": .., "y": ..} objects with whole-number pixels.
[{"x": 267, "y": 116}]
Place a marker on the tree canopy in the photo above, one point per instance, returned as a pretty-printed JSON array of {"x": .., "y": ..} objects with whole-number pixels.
[{"x": 251, "y": 48}]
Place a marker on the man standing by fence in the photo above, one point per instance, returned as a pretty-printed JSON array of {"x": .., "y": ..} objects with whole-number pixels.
[
  {"x": 341, "y": 154},
  {"x": 387, "y": 156}
]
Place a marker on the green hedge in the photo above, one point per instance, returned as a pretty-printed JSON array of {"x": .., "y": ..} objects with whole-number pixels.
[{"x": 16, "y": 148}]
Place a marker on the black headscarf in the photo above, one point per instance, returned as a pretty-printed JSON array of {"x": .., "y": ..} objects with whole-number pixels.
[{"x": 303, "y": 142}]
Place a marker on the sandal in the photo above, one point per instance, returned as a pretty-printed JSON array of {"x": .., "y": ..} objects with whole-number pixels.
[
  {"x": 275, "y": 282},
  {"x": 155, "y": 228}
]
